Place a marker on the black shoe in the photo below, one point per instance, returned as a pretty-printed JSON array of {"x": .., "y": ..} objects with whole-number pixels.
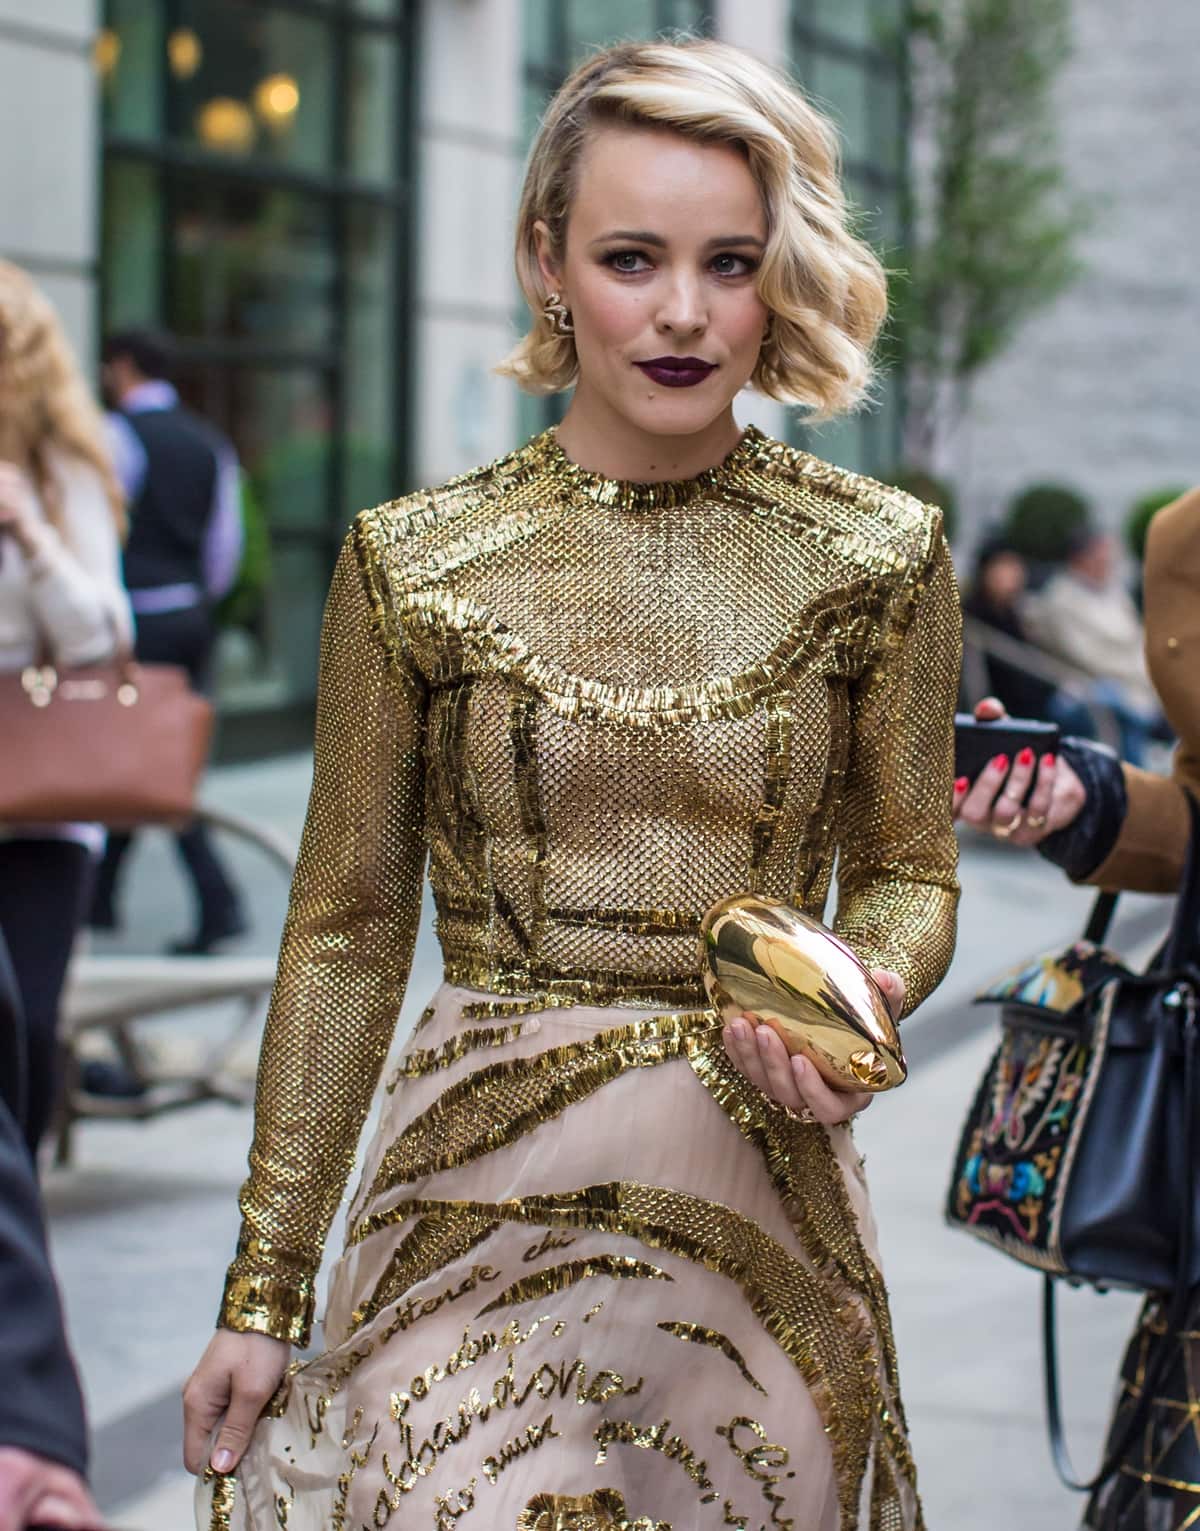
[
  {"x": 210, "y": 935},
  {"x": 113, "y": 1080}
]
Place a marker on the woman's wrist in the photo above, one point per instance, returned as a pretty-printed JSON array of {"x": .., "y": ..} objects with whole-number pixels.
[{"x": 1082, "y": 845}]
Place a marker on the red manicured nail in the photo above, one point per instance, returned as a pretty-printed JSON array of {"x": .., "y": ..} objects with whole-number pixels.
[
  {"x": 999, "y": 762},
  {"x": 1049, "y": 760},
  {"x": 1025, "y": 758},
  {"x": 962, "y": 784}
]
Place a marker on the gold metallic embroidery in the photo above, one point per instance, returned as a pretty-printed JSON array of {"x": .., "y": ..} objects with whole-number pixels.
[
  {"x": 699, "y": 1335},
  {"x": 500, "y": 1103},
  {"x": 765, "y": 1462},
  {"x": 628, "y": 1432},
  {"x": 430, "y": 1060},
  {"x": 558, "y": 1277},
  {"x": 224, "y": 1492},
  {"x": 826, "y": 1338},
  {"x": 602, "y": 1511}
]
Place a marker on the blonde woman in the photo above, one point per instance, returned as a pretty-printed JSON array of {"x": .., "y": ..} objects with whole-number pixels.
[
  {"x": 602, "y": 1270},
  {"x": 61, "y": 517}
]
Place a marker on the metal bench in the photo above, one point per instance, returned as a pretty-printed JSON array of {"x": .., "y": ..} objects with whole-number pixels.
[{"x": 109, "y": 995}]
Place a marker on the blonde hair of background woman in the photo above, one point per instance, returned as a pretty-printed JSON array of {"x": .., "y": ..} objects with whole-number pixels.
[
  {"x": 45, "y": 404},
  {"x": 824, "y": 287}
]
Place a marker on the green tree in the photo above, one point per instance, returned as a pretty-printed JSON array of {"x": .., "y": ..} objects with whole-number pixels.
[{"x": 995, "y": 227}]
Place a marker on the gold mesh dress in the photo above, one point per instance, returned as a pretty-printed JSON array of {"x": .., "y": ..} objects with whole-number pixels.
[{"x": 592, "y": 1277}]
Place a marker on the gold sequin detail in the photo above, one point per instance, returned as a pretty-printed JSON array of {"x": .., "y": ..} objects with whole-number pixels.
[
  {"x": 595, "y": 708},
  {"x": 699, "y": 1335},
  {"x": 224, "y": 1491},
  {"x": 422, "y": 1061},
  {"x": 826, "y": 1338},
  {"x": 602, "y": 1511},
  {"x": 500, "y": 1103},
  {"x": 558, "y": 1277}
]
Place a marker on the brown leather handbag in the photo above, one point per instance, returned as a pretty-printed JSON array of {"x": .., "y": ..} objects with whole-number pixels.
[{"x": 119, "y": 743}]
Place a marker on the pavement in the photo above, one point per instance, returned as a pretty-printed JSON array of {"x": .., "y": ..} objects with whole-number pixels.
[{"x": 144, "y": 1220}]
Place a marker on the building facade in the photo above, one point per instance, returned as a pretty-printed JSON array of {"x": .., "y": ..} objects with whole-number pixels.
[{"x": 316, "y": 198}]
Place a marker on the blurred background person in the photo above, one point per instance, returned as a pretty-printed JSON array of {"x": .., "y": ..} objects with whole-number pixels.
[
  {"x": 180, "y": 477},
  {"x": 43, "y": 1444},
  {"x": 1085, "y": 616},
  {"x": 995, "y": 596},
  {"x": 61, "y": 598},
  {"x": 1119, "y": 827}
]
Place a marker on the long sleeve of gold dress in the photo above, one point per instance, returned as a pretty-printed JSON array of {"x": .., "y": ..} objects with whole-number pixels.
[{"x": 591, "y": 1277}]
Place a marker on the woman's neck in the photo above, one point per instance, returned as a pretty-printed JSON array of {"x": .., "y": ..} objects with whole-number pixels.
[{"x": 598, "y": 439}]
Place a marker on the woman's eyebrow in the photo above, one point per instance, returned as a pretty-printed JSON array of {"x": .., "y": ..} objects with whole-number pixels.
[{"x": 645, "y": 237}]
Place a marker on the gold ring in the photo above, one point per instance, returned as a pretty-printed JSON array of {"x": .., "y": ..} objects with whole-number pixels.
[
  {"x": 1002, "y": 831},
  {"x": 1036, "y": 820},
  {"x": 805, "y": 1114}
]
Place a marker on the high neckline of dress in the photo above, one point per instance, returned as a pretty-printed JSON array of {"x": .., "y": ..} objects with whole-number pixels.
[{"x": 631, "y": 494}]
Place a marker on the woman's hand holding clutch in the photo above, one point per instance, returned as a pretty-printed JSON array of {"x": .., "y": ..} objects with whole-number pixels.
[{"x": 757, "y": 1052}]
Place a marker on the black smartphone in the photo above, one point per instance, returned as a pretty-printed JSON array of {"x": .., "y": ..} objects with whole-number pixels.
[{"x": 976, "y": 743}]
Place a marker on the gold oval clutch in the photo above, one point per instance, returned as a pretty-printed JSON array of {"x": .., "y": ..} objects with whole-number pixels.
[{"x": 761, "y": 955}]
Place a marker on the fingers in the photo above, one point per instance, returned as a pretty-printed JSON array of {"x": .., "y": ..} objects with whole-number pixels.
[
  {"x": 205, "y": 1399},
  {"x": 827, "y": 1105},
  {"x": 36, "y": 1491},
  {"x": 65, "y": 1503},
  {"x": 1035, "y": 818},
  {"x": 990, "y": 710},
  {"x": 975, "y": 805},
  {"x": 1068, "y": 797},
  {"x": 248, "y": 1401},
  {"x": 894, "y": 990},
  {"x": 743, "y": 1051},
  {"x": 777, "y": 1068}
]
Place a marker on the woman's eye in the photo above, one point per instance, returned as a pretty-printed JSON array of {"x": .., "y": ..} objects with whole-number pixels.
[
  {"x": 732, "y": 265},
  {"x": 627, "y": 260}
]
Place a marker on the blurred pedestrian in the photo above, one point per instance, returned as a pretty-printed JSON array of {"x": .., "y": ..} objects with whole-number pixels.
[
  {"x": 181, "y": 479},
  {"x": 43, "y": 1445},
  {"x": 995, "y": 595},
  {"x": 1087, "y": 617},
  {"x": 61, "y": 599},
  {"x": 1121, "y": 828}
]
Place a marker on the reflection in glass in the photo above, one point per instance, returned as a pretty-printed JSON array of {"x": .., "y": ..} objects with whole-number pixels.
[
  {"x": 373, "y": 106},
  {"x": 131, "y": 251},
  {"x": 130, "y": 69},
  {"x": 252, "y": 263},
  {"x": 370, "y": 340},
  {"x": 277, "y": 65}
]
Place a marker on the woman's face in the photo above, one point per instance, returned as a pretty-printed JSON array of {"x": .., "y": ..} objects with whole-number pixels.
[{"x": 664, "y": 239}]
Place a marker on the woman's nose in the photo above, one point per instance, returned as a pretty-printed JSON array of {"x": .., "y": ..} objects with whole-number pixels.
[{"x": 683, "y": 310}]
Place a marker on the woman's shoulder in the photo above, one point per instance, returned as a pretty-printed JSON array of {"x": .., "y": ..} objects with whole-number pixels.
[
  {"x": 873, "y": 522},
  {"x": 1173, "y": 541}
]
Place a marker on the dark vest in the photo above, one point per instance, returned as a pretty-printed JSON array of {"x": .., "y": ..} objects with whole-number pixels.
[{"x": 168, "y": 519}]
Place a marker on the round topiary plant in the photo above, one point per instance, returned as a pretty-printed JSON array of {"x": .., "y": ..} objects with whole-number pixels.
[
  {"x": 933, "y": 491},
  {"x": 1141, "y": 513},
  {"x": 1044, "y": 520}
]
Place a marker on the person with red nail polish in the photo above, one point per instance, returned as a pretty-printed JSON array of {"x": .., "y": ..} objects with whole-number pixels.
[{"x": 1117, "y": 827}]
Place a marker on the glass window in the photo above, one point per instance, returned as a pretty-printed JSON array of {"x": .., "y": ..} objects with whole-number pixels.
[
  {"x": 251, "y": 262},
  {"x": 369, "y": 470},
  {"x": 372, "y": 104},
  {"x": 131, "y": 245},
  {"x": 128, "y": 54},
  {"x": 851, "y": 20},
  {"x": 844, "y": 87}
]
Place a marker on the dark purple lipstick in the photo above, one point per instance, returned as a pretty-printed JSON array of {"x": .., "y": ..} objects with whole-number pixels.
[{"x": 677, "y": 371}]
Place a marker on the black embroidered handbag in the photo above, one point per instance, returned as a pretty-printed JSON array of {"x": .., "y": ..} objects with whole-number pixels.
[{"x": 1078, "y": 1154}]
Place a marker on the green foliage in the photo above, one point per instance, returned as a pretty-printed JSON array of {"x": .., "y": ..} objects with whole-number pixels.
[
  {"x": 996, "y": 228},
  {"x": 1043, "y": 519},
  {"x": 933, "y": 491},
  {"x": 1142, "y": 512},
  {"x": 243, "y": 605}
]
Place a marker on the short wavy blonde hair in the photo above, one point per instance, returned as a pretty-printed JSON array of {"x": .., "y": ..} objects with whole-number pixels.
[
  {"x": 45, "y": 403},
  {"x": 825, "y": 289}
]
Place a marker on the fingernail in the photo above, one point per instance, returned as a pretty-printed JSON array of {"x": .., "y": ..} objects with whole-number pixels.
[
  {"x": 962, "y": 784},
  {"x": 739, "y": 1031},
  {"x": 1025, "y": 758},
  {"x": 1049, "y": 760},
  {"x": 798, "y": 1066},
  {"x": 764, "y": 1038},
  {"x": 999, "y": 762},
  {"x": 222, "y": 1460}
]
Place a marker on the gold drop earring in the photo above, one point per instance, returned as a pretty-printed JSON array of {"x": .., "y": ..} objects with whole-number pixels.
[{"x": 558, "y": 315}]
